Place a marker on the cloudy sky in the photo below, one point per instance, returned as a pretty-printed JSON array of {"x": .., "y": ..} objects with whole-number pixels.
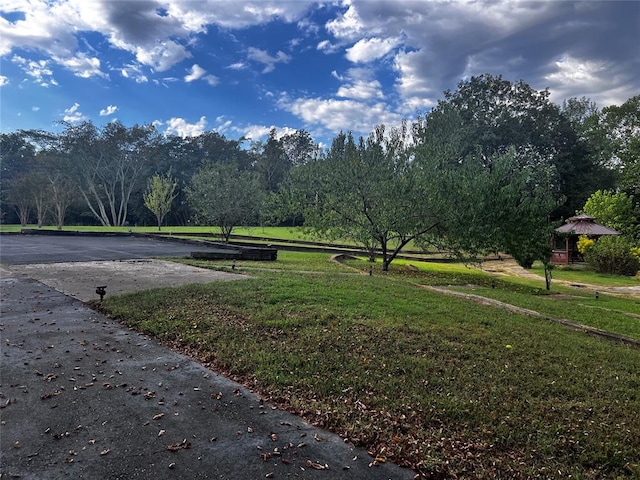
[{"x": 240, "y": 68}]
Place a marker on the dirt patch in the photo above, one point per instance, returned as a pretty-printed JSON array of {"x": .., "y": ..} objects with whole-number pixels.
[{"x": 80, "y": 279}]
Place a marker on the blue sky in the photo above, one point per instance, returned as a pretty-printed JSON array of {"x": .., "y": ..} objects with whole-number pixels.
[{"x": 241, "y": 68}]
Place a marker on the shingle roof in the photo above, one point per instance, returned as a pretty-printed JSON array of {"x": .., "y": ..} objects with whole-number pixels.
[{"x": 585, "y": 225}]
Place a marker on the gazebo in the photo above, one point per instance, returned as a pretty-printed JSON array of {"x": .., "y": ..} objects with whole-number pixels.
[{"x": 565, "y": 248}]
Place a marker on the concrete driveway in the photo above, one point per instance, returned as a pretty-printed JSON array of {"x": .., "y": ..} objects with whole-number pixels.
[{"x": 83, "y": 397}]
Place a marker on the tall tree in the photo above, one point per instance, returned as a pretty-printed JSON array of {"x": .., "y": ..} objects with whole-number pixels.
[
  {"x": 17, "y": 156},
  {"x": 492, "y": 115},
  {"x": 106, "y": 165},
  {"x": 160, "y": 194},
  {"x": 622, "y": 127},
  {"x": 221, "y": 194},
  {"x": 299, "y": 147},
  {"x": 63, "y": 194},
  {"x": 19, "y": 195},
  {"x": 272, "y": 162}
]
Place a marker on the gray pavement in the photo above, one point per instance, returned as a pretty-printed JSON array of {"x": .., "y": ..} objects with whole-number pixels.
[
  {"x": 24, "y": 249},
  {"x": 84, "y": 397}
]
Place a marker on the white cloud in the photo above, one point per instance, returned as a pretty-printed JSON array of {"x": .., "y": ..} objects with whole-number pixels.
[
  {"x": 82, "y": 66},
  {"x": 258, "y": 132},
  {"x": 158, "y": 38},
  {"x": 73, "y": 115},
  {"x": 255, "y": 132},
  {"x": 38, "y": 70},
  {"x": 211, "y": 80},
  {"x": 35, "y": 109},
  {"x": 347, "y": 25},
  {"x": 135, "y": 72},
  {"x": 361, "y": 90},
  {"x": 269, "y": 62},
  {"x": 327, "y": 47},
  {"x": 4, "y": 81},
  {"x": 572, "y": 72},
  {"x": 341, "y": 115},
  {"x": 161, "y": 56},
  {"x": 110, "y": 110},
  {"x": 237, "y": 66},
  {"x": 179, "y": 126},
  {"x": 369, "y": 49},
  {"x": 412, "y": 80},
  {"x": 196, "y": 73},
  {"x": 600, "y": 81}
]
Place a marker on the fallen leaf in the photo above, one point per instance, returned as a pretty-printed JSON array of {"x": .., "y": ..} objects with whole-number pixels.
[
  {"x": 174, "y": 447},
  {"x": 317, "y": 466},
  {"x": 158, "y": 416},
  {"x": 105, "y": 451}
]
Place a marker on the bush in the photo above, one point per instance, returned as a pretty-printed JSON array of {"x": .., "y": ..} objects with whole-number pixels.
[
  {"x": 584, "y": 244},
  {"x": 613, "y": 254}
]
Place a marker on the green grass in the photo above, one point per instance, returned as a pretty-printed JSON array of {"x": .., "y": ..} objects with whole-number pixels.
[
  {"x": 284, "y": 233},
  {"x": 443, "y": 385},
  {"x": 287, "y": 261},
  {"x": 588, "y": 276}
]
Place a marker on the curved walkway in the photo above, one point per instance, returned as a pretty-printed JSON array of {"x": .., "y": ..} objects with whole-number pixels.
[{"x": 511, "y": 268}]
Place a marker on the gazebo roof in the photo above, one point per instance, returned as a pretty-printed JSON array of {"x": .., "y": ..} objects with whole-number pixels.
[{"x": 585, "y": 225}]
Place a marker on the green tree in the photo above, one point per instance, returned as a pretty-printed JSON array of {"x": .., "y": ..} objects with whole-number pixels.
[
  {"x": 63, "y": 194},
  {"x": 160, "y": 194},
  {"x": 20, "y": 196},
  {"x": 488, "y": 115},
  {"x": 106, "y": 165},
  {"x": 17, "y": 157},
  {"x": 272, "y": 162},
  {"x": 616, "y": 210},
  {"x": 621, "y": 125},
  {"x": 370, "y": 192},
  {"x": 220, "y": 194}
]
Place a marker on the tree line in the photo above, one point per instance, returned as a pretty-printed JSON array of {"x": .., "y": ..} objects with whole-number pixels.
[{"x": 489, "y": 168}]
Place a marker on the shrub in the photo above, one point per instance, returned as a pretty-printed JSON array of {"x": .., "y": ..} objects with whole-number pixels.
[
  {"x": 584, "y": 244},
  {"x": 613, "y": 254}
]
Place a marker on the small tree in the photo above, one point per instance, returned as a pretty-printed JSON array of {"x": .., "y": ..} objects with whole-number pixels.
[
  {"x": 62, "y": 195},
  {"x": 615, "y": 210},
  {"x": 222, "y": 195},
  {"x": 20, "y": 195},
  {"x": 160, "y": 194}
]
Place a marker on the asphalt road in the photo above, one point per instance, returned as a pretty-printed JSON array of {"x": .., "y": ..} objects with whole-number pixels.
[
  {"x": 83, "y": 397},
  {"x": 23, "y": 249}
]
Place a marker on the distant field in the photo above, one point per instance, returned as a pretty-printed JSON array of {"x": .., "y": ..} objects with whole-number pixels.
[{"x": 285, "y": 233}]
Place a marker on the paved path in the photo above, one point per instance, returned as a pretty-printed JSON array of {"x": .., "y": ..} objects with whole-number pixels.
[
  {"x": 84, "y": 397},
  {"x": 511, "y": 268}
]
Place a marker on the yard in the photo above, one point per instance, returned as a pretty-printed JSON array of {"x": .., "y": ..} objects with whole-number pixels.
[{"x": 444, "y": 385}]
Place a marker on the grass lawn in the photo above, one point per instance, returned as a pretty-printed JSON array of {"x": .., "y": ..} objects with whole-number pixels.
[
  {"x": 284, "y": 233},
  {"x": 440, "y": 384},
  {"x": 583, "y": 274}
]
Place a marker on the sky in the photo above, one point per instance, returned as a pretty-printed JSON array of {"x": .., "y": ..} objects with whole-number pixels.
[{"x": 241, "y": 68}]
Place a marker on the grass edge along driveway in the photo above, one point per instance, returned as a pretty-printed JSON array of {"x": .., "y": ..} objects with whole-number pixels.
[{"x": 439, "y": 384}]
